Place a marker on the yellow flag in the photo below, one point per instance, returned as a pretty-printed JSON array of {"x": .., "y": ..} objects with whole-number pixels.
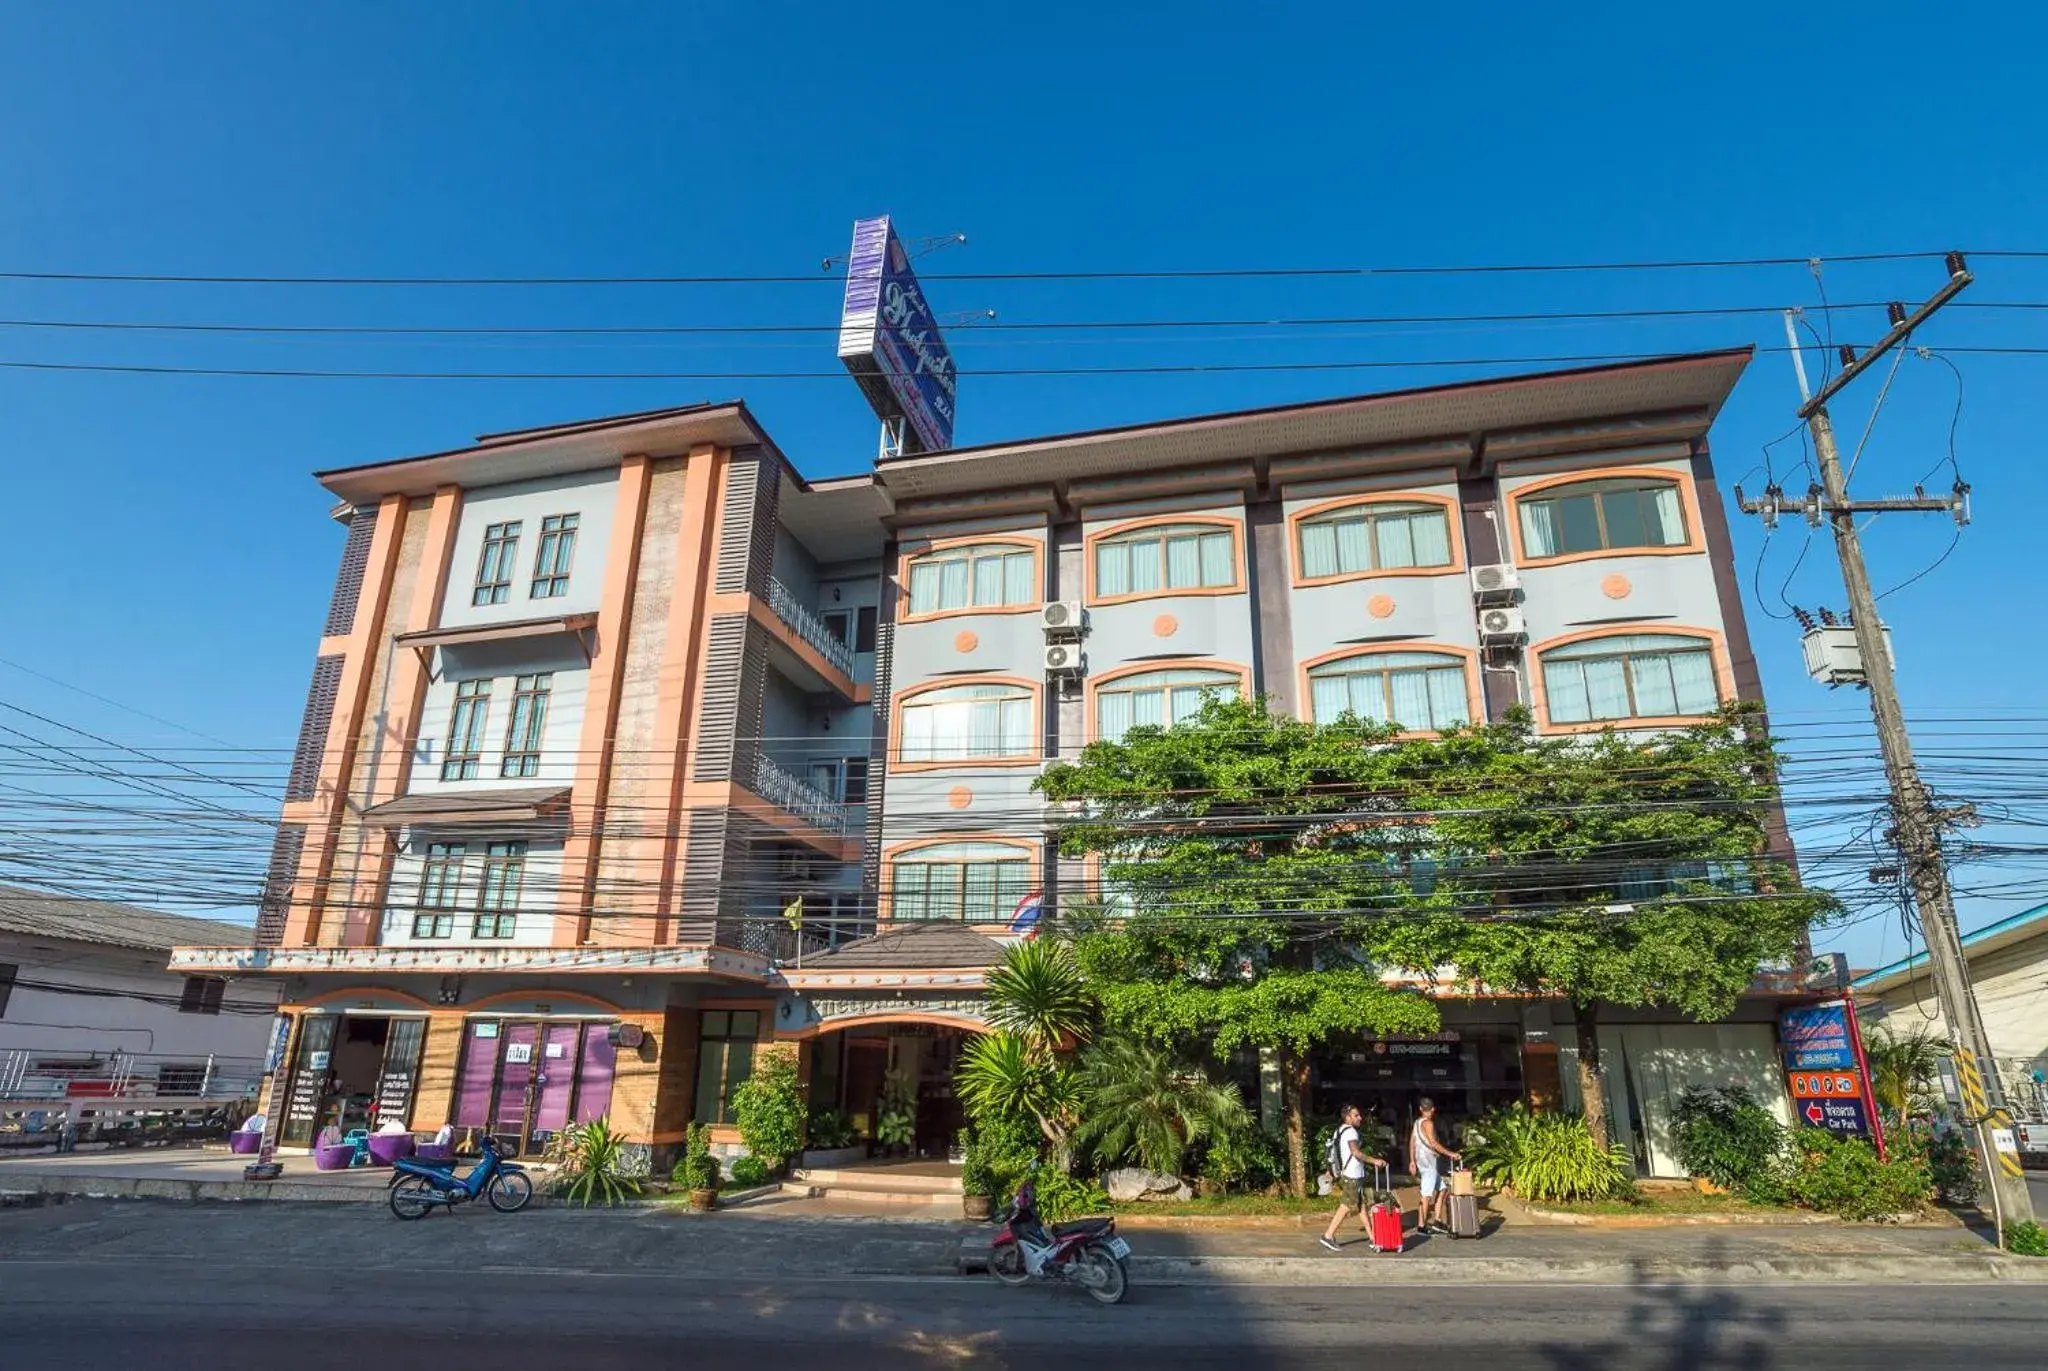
[{"x": 793, "y": 913}]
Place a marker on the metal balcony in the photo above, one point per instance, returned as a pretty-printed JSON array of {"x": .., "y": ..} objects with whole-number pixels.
[
  {"x": 799, "y": 798},
  {"x": 809, "y": 627}
]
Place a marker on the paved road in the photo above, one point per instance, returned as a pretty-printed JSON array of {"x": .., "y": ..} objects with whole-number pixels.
[{"x": 111, "y": 1285}]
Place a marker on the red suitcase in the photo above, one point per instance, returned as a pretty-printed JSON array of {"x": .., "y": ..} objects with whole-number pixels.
[{"x": 1383, "y": 1220}]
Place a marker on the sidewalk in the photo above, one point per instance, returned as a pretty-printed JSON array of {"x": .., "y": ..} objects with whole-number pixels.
[{"x": 182, "y": 1173}]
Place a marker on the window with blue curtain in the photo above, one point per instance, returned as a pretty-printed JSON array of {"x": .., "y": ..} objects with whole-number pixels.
[
  {"x": 969, "y": 723},
  {"x": 1166, "y": 557},
  {"x": 1158, "y": 698},
  {"x": 978, "y": 576},
  {"x": 1602, "y": 515},
  {"x": 978, "y": 882},
  {"x": 1630, "y": 676},
  {"x": 1374, "y": 536},
  {"x": 1420, "y": 691}
]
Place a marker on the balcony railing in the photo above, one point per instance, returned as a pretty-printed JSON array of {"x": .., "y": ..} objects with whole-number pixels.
[
  {"x": 809, "y": 627},
  {"x": 793, "y": 796}
]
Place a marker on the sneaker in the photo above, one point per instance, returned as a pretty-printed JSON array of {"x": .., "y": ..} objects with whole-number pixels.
[
  {"x": 1329, "y": 1245},
  {"x": 1440, "y": 1230}
]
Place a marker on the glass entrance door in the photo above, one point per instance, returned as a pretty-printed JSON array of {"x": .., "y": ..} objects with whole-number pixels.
[{"x": 513, "y": 1108}]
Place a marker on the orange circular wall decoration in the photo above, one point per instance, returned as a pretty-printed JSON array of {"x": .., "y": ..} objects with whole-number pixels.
[
  {"x": 959, "y": 797},
  {"x": 1165, "y": 626},
  {"x": 1616, "y": 587},
  {"x": 964, "y": 641},
  {"x": 1380, "y": 606}
]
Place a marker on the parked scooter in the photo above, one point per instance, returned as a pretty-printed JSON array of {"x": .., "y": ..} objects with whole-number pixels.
[
  {"x": 1086, "y": 1252},
  {"x": 418, "y": 1187}
]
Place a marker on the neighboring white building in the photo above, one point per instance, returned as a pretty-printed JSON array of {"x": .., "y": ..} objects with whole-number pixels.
[
  {"x": 89, "y": 1012},
  {"x": 2009, "y": 968}
]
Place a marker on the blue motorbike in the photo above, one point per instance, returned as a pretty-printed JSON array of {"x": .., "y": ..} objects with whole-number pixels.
[{"x": 418, "y": 1188}]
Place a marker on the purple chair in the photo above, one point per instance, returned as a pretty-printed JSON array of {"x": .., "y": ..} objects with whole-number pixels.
[
  {"x": 386, "y": 1148},
  {"x": 334, "y": 1156},
  {"x": 246, "y": 1142}
]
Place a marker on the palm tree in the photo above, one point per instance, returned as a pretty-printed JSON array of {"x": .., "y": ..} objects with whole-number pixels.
[
  {"x": 1038, "y": 993},
  {"x": 1903, "y": 1067},
  {"x": 1141, "y": 1102},
  {"x": 999, "y": 1075}
]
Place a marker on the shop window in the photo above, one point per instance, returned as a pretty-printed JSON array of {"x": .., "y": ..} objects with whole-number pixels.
[
  {"x": 1420, "y": 691},
  {"x": 980, "y": 576},
  {"x": 1603, "y": 515},
  {"x": 1629, "y": 676},
  {"x": 1158, "y": 699},
  {"x": 977, "y": 882},
  {"x": 202, "y": 995},
  {"x": 725, "y": 1058},
  {"x": 1377, "y": 536}
]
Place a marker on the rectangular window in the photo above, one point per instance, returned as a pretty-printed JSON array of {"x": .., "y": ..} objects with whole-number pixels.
[
  {"x": 8, "y": 971},
  {"x": 978, "y": 890},
  {"x": 963, "y": 723},
  {"x": 1375, "y": 537},
  {"x": 1177, "y": 557},
  {"x": 494, "y": 568},
  {"x": 824, "y": 778},
  {"x": 528, "y": 723},
  {"x": 498, "y": 906},
  {"x": 1636, "y": 676},
  {"x": 864, "y": 629},
  {"x": 984, "y": 576},
  {"x": 856, "y": 781},
  {"x": 839, "y": 624},
  {"x": 180, "y": 1079},
  {"x": 725, "y": 1059},
  {"x": 440, "y": 891},
  {"x": 466, "y": 731},
  {"x": 551, "y": 559},
  {"x": 202, "y": 995},
  {"x": 1603, "y": 515}
]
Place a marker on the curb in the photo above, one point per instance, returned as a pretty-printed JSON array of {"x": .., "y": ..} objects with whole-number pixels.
[
  {"x": 186, "y": 1192},
  {"x": 1479, "y": 1270}
]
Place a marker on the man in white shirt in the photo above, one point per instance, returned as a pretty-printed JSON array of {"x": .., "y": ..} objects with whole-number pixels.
[{"x": 1348, "y": 1161}]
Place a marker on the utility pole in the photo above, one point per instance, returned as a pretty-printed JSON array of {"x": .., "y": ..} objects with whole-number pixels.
[{"x": 1917, "y": 821}]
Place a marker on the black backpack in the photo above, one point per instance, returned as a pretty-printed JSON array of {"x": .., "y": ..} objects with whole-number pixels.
[{"x": 1333, "y": 1155}]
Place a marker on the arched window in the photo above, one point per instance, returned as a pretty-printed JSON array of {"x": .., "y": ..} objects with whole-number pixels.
[
  {"x": 1381, "y": 535},
  {"x": 1608, "y": 514},
  {"x": 973, "y": 576},
  {"x": 1629, "y": 676},
  {"x": 1165, "y": 557},
  {"x": 970, "y": 723},
  {"x": 1420, "y": 691},
  {"x": 1161, "y": 698},
  {"x": 978, "y": 882}
]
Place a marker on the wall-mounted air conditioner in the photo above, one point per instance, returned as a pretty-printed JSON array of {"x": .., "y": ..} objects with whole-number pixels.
[
  {"x": 1502, "y": 626},
  {"x": 1062, "y": 617},
  {"x": 1495, "y": 581},
  {"x": 1063, "y": 659}
]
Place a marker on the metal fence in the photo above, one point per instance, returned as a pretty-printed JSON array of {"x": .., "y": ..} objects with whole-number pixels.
[{"x": 58, "y": 1100}]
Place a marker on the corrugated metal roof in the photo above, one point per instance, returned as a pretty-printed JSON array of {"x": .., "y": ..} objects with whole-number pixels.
[
  {"x": 2028, "y": 923},
  {"x": 42, "y": 914}
]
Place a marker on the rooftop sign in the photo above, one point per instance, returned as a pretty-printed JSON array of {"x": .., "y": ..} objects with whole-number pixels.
[{"x": 890, "y": 340}]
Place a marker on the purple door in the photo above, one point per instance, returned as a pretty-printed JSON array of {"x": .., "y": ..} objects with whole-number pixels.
[
  {"x": 509, "y": 1117},
  {"x": 594, "y": 1085},
  {"x": 557, "y": 1071}
]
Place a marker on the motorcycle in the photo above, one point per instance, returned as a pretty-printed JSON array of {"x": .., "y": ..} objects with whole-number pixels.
[
  {"x": 1086, "y": 1252},
  {"x": 418, "y": 1187}
]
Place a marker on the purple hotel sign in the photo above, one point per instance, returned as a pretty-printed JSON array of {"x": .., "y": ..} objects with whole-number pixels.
[{"x": 890, "y": 341}]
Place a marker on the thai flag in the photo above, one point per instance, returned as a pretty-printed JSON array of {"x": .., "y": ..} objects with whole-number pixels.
[{"x": 1030, "y": 909}]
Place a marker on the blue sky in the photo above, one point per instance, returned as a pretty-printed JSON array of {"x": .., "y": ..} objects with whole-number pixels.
[{"x": 178, "y": 553}]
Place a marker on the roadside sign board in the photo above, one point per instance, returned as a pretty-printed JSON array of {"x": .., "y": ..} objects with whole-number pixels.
[{"x": 1824, "y": 1070}]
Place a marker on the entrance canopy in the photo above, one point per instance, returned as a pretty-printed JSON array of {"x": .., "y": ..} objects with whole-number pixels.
[{"x": 919, "y": 973}]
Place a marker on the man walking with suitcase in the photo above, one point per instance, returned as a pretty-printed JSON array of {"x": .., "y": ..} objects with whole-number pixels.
[
  {"x": 1347, "y": 1162},
  {"x": 1426, "y": 1152}
]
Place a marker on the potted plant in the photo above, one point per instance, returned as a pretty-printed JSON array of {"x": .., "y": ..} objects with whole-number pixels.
[
  {"x": 769, "y": 1109},
  {"x": 896, "y": 1129},
  {"x": 977, "y": 1179},
  {"x": 697, "y": 1172}
]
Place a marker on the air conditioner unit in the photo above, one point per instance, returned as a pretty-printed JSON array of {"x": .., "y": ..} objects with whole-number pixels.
[
  {"x": 1062, "y": 659},
  {"x": 1501, "y": 625},
  {"x": 1497, "y": 579},
  {"x": 1062, "y": 617}
]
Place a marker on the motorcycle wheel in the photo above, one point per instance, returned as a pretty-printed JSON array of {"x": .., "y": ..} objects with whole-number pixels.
[
  {"x": 1102, "y": 1275},
  {"x": 509, "y": 1192},
  {"x": 1006, "y": 1264},
  {"x": 412, "y": 1198}
]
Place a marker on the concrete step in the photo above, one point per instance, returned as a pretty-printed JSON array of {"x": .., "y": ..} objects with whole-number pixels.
[
  {"x": 856, "y": 1180},
  {"x": 921, "y": 1203}
]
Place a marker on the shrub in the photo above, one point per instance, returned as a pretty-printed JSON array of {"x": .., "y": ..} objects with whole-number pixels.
[
  {"x": 750, "y": 1171},
  {"x": 1547, "y": 1157},
  {"x": 590, "y": 1161},
  {"x": 1000, "y": 1152},
  {"x": 769, "y": 1108},
  {"x": 1250, "y": 1159},
  {"x": 830, "y": 1129},
  {"x": 1730, "y": 1139},
  {"x": 1062, "y": 1197},
  {"x": 698, "y": 1170},
  {"x": 1140, "y": 1103},
  {"x": 1952, "y": 1165},
  {"x": 2027, "y": 1239},
  {"x": 1845, "y": 1177}
]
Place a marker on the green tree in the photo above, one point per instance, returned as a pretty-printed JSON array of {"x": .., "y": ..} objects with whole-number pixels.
[
  {"x": 769, "y": 1108},
  {"x": 1243, "y": 855},
  {"x": 1903, "y": 1067},
  {"x": 1139, "y": 1101},
  {"x": 1000, "y": 1077},
  {"x": 1609, "y": 869},
  {"x": 1038, "y": 992}
]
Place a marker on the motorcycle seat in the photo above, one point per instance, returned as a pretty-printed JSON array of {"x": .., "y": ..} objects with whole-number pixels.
[{"x": 1082, "y": 1226}]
